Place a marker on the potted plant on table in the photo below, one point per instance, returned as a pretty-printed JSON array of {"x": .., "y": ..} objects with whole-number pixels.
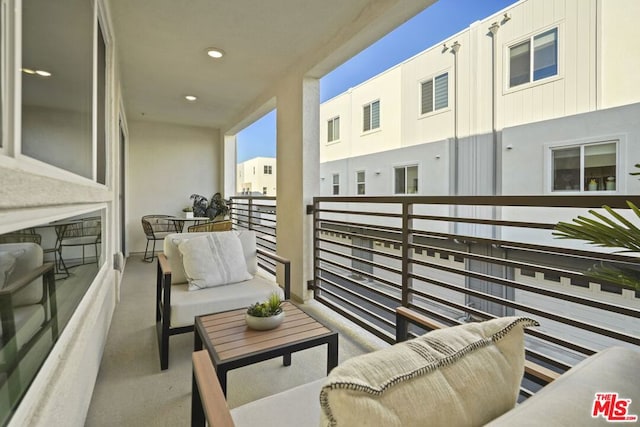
[
  {"x": 188, "y": 212},
  {"x": 265, "y": 315}
]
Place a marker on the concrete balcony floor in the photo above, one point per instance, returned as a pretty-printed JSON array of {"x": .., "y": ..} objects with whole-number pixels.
[{"x": 131, "y": 390}]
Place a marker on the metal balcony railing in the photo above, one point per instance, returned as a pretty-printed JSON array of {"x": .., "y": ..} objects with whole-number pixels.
[
  {"x": 462, "y": 259},
  {"x": 259, "y": 214}
]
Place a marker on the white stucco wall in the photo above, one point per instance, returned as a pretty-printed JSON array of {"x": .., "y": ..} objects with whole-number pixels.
[{"x": 168, "y": 163}]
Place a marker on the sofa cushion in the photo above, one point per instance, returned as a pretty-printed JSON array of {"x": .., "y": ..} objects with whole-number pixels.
[
  {"x": 28, "y": 321},
  {"x": 171, "y": 242},
  {"x": 569, "y": 400},
  {"x": 463, "y": 375},
  {"x": 301, "y": 403},
  {"x": 28, "y": 257},
  {"x": 185, "y": 304},
  {"x": 213, "y": 260}
]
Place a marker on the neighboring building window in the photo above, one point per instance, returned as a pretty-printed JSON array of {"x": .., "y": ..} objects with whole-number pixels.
[
  {"x": 586, "y": 167},
  {"x": 360, "y": 182},
  {"x": 264, "y": 191},
  {"x": 268, "y": 169},
  {"x": 336, "y": 184},
  {"x": 254, "y": 170},
  {"x": 406, "y": 180},
  {"x": 371, "y": 116},
  {"x": 528, "y": 65},
  {"x": 434, "y": 94},
  {"x": 333, "y": 129}
]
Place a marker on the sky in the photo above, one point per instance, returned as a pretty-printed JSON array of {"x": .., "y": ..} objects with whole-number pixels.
[{"x": 436, "y": 23}]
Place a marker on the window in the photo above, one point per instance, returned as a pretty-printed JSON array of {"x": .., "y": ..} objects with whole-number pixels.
[
  {"x": 527, "y": 65},
  {"x": 264, "y": 191},
  {"x": 360, "y": 182},
  {"x": 336, "y": 184},
  {"x": 586, "y": 167},
  {"x": 333, "y": 129},
  {"x": 406, "y": 180},
  {"x": 371, "y": 116},
  {"x": 268, "y": 169},
  {"x": 434, "y": 94}
]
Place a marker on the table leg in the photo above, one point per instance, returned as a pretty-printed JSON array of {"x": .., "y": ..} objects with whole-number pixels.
[
  {"x": 222, "y": 379},
  {"x": 332, "y": 353},
  {"x": 286, "y": 359},
  {"x": 197, "y": 340}
]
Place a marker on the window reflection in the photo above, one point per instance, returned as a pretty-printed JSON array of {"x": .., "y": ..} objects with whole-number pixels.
[
  {"x": 44, "y": 273},
  {"x": 57, "y": 83}
]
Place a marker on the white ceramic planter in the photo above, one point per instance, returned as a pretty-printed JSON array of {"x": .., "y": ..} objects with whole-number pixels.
[{"x": 264, "y": 323}]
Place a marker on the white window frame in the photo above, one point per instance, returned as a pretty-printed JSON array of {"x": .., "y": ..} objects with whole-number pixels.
[
  {"x": 620, "y": 180},
  {"x": 363, "y": 183},
  {"x": 406, "y": 186},
  {"x": 530, "y": 38},
  {"x": 331, "y": 130},
  {"x": 432, "y": 79},
  {"x": 335, "y": 185},
  {"x": 370, "y": 105}
]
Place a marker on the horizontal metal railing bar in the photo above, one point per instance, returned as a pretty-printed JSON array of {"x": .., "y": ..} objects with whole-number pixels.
[
  {"x": 356, "y": 283},
  {"x": 528, "y": 309},
  {"x": 358, "y": 213},
  {"x": 466, "y": 220},
  {"x": 558, "y": 364},
  {"x": 370, "y": 237},
  {"x": 368, "y": 250},
  {"x": 360, "y": 272},
  {"x": 366, "y": 262},
  {"x": 358, "y": 225},
  {"x": 359, "y": 307},
  {"x": 534, "y": 289},
  {"x": 521, "y": 245},
  {"x": 501, "y": 261},
  {"x": 369, "y": 327},
  {"x": 581, "y": 201}
]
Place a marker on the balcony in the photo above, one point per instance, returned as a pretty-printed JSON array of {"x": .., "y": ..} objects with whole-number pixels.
[{"x": 453, "y": 259}]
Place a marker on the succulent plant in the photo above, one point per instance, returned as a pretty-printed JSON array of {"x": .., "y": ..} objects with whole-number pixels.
[{"x": 271, "y": 307}]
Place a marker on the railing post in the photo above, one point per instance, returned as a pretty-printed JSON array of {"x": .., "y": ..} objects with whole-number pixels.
[
  {"x": 407, "y": 209},
  {"x": 250, "y": 212}
]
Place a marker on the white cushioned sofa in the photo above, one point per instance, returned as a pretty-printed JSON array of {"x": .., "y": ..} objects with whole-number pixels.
[
  {"x": 466, "y": 375},
  {"x": 209, "y": 272}
]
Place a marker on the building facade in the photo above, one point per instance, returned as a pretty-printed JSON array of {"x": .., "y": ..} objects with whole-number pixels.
[
  {"x": 257, "y": 175},
  {"x": 536, "y": 99}
]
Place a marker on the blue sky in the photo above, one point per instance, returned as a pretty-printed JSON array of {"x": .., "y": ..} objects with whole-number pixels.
[{"x": 436, "y": 23}]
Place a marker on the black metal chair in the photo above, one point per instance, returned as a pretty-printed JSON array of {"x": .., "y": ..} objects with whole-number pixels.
[
  {"x": 79, "y": 233},
  {"x": 156, "y": 227}
]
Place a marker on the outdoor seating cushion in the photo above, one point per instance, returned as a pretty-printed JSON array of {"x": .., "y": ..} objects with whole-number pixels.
[
  {"x": 295, "y": 407},
  {"x": 460, "y": 376},
  {"x": 213, "y": 260},
  {"x": 25, "y": 258},
  {"x": 568, "y": 401},
  {"x": 173, "y": 240},
  {"x": 185, "y": 304},
  {"x": 28, "y": 321}
]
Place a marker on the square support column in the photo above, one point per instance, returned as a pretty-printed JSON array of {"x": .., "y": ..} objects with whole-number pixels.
[{"x": 298, "y": 165}]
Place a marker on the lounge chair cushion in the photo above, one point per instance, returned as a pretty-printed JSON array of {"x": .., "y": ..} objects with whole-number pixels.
[
  {"x": 25, "y": 258},
  {"x": 458, "y": 376},
  {"x": 213, "y": 260},
  {"x": 185, "y": 304}
]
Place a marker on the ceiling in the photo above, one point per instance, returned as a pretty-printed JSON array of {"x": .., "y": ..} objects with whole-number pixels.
[{"x": 161, "y": 51}]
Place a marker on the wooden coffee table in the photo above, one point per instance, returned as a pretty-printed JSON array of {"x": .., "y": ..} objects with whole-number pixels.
[{"x": 231, "y": 344}]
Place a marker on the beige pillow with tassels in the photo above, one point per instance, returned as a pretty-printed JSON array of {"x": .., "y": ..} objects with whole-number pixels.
[{"x": 460, "y": 376}]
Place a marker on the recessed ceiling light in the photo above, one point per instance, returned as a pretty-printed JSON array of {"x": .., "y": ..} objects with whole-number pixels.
[
  {"x": 190, "y": 98},
  {"x": 214, "y": 52}
]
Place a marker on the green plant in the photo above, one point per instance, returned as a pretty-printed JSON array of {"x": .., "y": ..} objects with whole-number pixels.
[
  {"x": 609, "y": 230},
  {"x": 187, "y": 209},
  {"x": 271, "y": 307}
]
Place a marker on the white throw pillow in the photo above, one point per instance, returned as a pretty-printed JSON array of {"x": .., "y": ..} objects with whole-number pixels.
[
  {"x": 213, "y": 260},
  {"x": 460, "y": 376}
]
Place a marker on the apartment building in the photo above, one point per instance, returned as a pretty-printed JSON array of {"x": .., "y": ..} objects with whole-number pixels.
[
  {"x": 257, "y": 175},
  {"x": 539, "y": 98}
]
